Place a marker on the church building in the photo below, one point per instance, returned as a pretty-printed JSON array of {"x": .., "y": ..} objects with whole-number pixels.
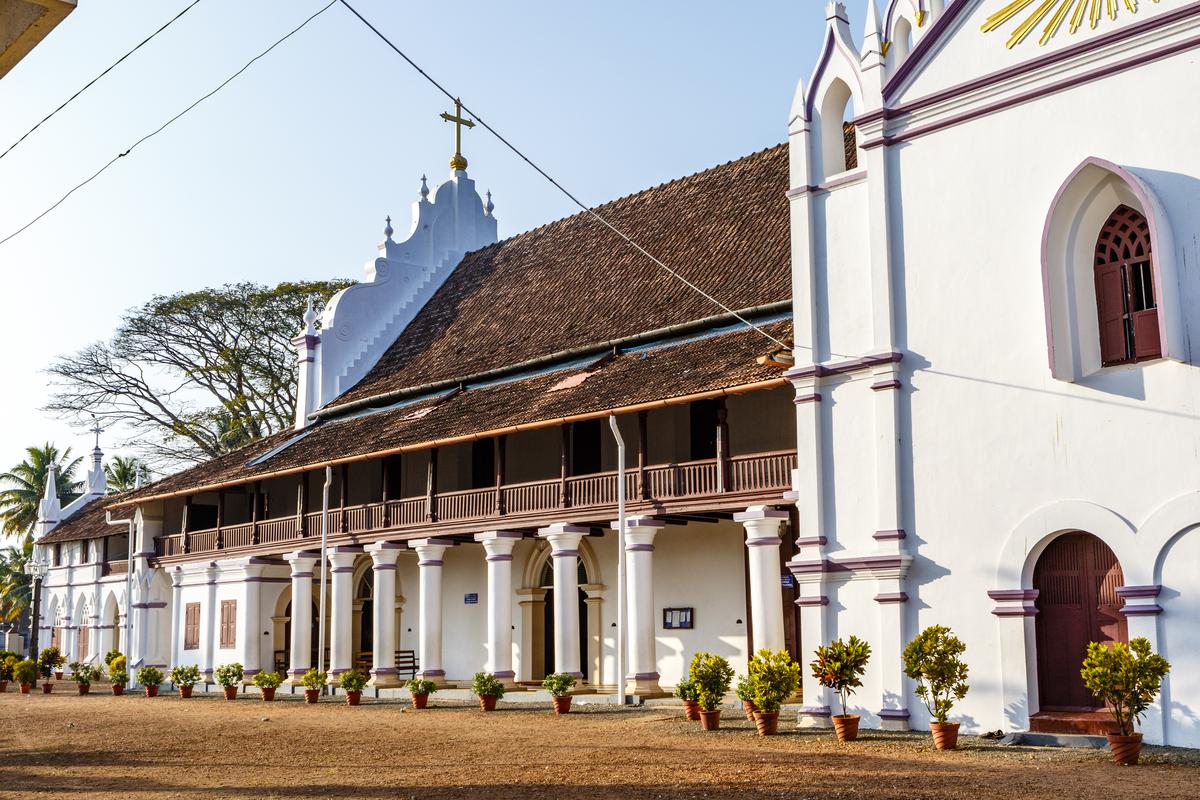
[{"x": 952, "y": 382}]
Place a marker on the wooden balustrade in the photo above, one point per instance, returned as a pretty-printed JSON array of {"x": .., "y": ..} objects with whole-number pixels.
[
  {"x": 759, "y": 472},
  {"x": 115, "y": 567}
]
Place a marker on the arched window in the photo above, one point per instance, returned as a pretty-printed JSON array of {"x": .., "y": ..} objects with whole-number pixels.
[
  {"x": 839, "y": 139},
  {"x": 1125, "y": 303}
]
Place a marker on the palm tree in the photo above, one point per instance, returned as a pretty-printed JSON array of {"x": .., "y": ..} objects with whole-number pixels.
[
  {"x": 26, "y": 483},
  {"x": 14, "y": 583},
  {"x": 121, "y": 473}
]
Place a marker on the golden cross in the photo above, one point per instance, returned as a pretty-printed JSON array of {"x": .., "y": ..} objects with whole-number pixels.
[{"x": 458, "y": 162}]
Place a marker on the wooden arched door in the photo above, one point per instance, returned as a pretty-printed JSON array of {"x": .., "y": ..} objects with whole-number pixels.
[{"x": 1077, "y": 579}]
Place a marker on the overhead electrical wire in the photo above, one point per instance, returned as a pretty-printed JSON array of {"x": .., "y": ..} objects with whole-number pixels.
[
  {"x": 588, "y": 210},
  {"x": 89, "y": 84},
  {"x": 166, "y": 124}
]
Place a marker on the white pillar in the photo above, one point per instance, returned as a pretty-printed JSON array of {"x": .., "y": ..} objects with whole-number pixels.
[
  {"x": 499, "y": 547},
  {"x": 176, "y": 618},
  {"x": 639, "y": 582},
  {"x": 766, "y": 592},
  {"x": 429, "y": 646},
  {"x": 209, "y": 614},
  {"x": 301, "y": 562},
  {"x": 564, "y": 543},
  {"x": 341, "y": 617},
  {"x": 383, "y": 661},
  {"x": 249, "y": 629}
]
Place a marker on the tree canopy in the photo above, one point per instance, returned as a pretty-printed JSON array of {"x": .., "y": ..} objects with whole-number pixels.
[
  {"x": 193, "y": 375},
  {"x": 22, "y": 487}
]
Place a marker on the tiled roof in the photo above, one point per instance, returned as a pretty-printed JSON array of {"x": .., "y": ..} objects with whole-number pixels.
[
  {"x": 573, "y": 282},
  {"x": 87, "y": 523},
  {"x": 720, "y": 360}
]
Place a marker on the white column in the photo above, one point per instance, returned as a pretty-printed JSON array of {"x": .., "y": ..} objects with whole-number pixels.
[
  {"x": 301, "y": 562},
  {"x": 341, "y": 617},
  {"x": 383, "y": 563},
  {"x": 499, "y": 547},
  {"x": 176, "y": 617},
  {"x": 209, "y": 619},
  {"x": 564, "y": 543},
  {"x": 639, "y": 583},
  {"x": 249, "y": 629},
  {"x": 1015, "y": 611},
  {"x": 1141, "y": 612},
  {"x": 766, "y": 592},
  {"x": 429, "y": 646}
]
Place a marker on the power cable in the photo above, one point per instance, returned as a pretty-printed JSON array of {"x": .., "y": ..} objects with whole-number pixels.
[
  {"x": 558, "y": 185},
  {"x": 163, "y": 127},
  {"x": 89, "y": 84}
]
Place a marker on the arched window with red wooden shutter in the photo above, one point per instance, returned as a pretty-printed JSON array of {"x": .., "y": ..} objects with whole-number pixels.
[{"x": 1125, "y": 303}]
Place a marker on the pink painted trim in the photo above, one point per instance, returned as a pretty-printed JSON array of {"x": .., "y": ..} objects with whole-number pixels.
[
  {"x": 892, "y": 597},
  {"x": 811, "y": 397},
  {"x": 766, "y": 513},
  {"x": 1014, "y": 594},
  {"x": 814, "y": 711},
  {"x": 885, "y": 385},
  {"x": 1033, "y": 94},
  {"x": 1150, "y": 208},
  {"x": 1023, "y": 611},
  {"x": 893, "y": 713},
  {"x": 1142, "y": 611},
  {"x": 820, "y": 600},
  {"x": 856, "y": 176},
  {"x": 1152, "y": 590},
  {"x": 843, "y": 367},
  {"x": 811, "y": 541},
  {"x": 639, "y": 548},
  {"x": 1086, "y": 46},
  {"x": 887, "y": 536}
]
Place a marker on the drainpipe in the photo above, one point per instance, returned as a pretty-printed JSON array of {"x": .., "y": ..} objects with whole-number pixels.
[
  {"x": 612, "y": 423},
  {"x": 324, "y": 560}
]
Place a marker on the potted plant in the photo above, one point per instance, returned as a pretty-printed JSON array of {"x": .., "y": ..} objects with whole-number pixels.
[
  {"x": 84, "y": 674},
  {"x": 229, "y": 676},
  {"x": 488, "y": 688},
  {"x": 118, "y": 677},
  {"x": 25, "y": 673},
  {"x": 685, "y": 690},
  {"x": 110, "y": 655},
  {"x": 313, "y": 681},
  {"x": 7, "y": 662},
  {"x": 1126, "y": 678},
  {"x": 934, "y": 661},
  {"x": 185, "y": 678},
  {"x": 840, "y": 667},
  {"x": 420, "y": 689},
  {"x": 712, "y": 676},
  {"x": 150, "y": 677},
  {"x": 558, "y": 685},
  {"x": 774, "y": 677},
  {"x": 267, "y": 683},
  {"x": 352, "y": 683},
  {"x": 745, "y": 693},
  {"x": 48, "y": 661}
]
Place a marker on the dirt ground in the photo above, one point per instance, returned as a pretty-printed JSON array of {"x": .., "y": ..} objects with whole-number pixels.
[{"x": 63, "y": 746}]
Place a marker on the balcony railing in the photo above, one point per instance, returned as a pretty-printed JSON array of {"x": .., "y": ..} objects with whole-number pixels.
[{"x": 709, "y": 478}]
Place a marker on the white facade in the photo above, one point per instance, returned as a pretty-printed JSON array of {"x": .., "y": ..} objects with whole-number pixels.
[{"x": 977, "y": 424}]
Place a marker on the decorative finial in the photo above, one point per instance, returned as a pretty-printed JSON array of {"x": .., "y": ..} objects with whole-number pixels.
[
  {"x": 457, "y": 162},
  {"x": 96, "y": 429},
  {"x": 387, "y": 230},
  {"x": 310, "y": 317},
  {"x": 489, "y": 206},
  {"x": 424, "y": 188}
]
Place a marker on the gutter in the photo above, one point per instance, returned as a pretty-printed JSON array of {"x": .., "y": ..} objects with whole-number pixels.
[
  {"x": 541, "y": 361},
  {"x": 770, "y": 383}
]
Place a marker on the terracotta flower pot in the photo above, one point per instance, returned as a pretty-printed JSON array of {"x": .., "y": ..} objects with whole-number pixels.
[
  {"x": 487, "y": 703},
  {"x": 26, "y": 688},
  {"x": 267, "y": 693},
  {"x": 767, "y": 722},
  {"x": 750, "y": 708},
  {"x": 420, "y": 700},
  {"x": 1126, "y": 750},
  {"x": 353, "y": 698},
  {"x": 185, "y": 691},
  {"x": 562, "y": 705},
  {"x": 312, "y": 695},
  {"x": 691, "y": 710},
  {"x": 47, "y": 687},
  {"x": 846, "y": 727},
  {"x": 152, "y": 691},
  {"x": 3, "y": 686},
  {"x": 58, "y": 674},
  {"x": 231, "y": 692},
  {"x": 118, "y": 689},
  {"x": 710, "y": 720},
  {"x": 83, "y": 688},
  {"x": 945, "y": 735}
]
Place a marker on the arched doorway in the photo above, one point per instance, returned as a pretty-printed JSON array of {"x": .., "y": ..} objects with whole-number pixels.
[
  {"x": 364, "y": 599},
  {"x": 547, "y": 582},
  {"x": 285, "y": 656},
  {"x": 1077, "y": 578}
]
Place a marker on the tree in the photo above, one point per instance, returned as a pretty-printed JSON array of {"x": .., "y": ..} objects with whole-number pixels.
[
  {"x": 14, "y": 583},
  {"x": 25, "y": 484},
  {"x": 193, "y": 375},
  {"x": 121, "y": 473}
]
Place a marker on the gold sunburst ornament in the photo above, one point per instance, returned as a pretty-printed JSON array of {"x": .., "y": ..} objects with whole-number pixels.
[{"x": 1056, "y": 14}]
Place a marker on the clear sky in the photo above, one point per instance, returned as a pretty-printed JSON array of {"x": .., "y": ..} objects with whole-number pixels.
[{"x": 289, "y": 172}]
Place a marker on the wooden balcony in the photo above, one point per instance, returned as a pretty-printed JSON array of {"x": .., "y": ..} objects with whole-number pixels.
[
  {"x": 688, "y": 486},
  {"x": 116, "y": 567}
]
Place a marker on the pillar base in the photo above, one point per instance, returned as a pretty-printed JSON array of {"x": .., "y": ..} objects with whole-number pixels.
[
  {"x": 509, "y": 679},
  {"x": 814, "y": 717},
  {"x": 294, "y": 676},
  {"x": 894, "y": 719},
  {"x": 384, "y": 679},
  {"x": 438, "y": 677},
  {"x": 644, "y": 685}
]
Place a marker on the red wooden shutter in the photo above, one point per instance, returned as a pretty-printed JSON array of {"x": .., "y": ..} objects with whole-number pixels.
[
  {"x": 228, "y": 623},
  {"x": 1110, "y": 305},
  {"x": 83, "y": 642},
  {"x": 1145, "y": 334},
  {"x": 191, "y": 626}
]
